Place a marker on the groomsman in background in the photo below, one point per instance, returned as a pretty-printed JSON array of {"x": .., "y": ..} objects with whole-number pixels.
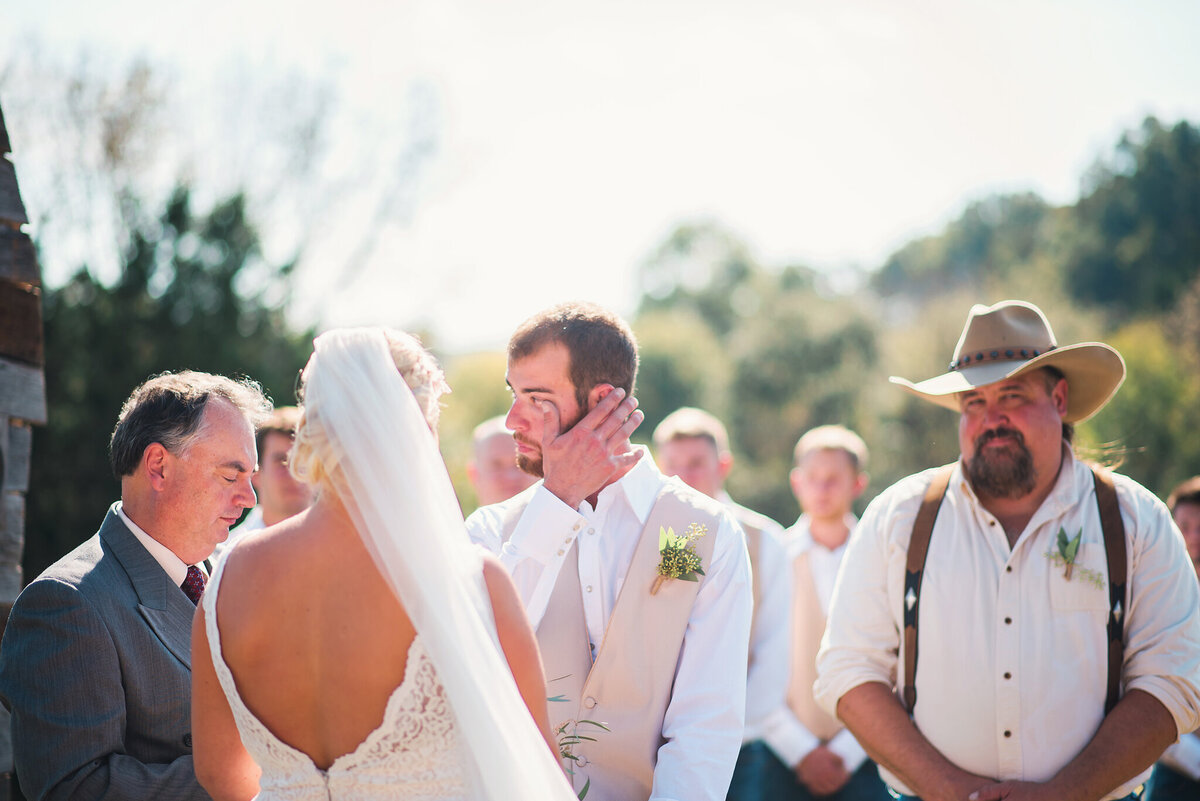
[
  {"x": 280, "y": 495},
  {"x": 822, "y": 758},
  {"x": 493, "y": 470},
  {"x": 694, "y": 445}
]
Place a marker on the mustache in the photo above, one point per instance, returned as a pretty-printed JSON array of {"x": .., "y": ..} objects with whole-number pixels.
[{"x": 997, "y": 433}]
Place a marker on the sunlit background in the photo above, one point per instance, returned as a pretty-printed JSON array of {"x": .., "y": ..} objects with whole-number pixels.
[
  {"x": 790, "y": 201},
  {"x": 473, "y": 161}
]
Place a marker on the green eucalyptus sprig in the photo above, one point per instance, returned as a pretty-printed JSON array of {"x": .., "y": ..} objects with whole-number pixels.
[{"x": 677, "y": 557}]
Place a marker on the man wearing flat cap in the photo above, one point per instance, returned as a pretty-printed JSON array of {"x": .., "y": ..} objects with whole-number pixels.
[{"x": 1051, "y": 604}]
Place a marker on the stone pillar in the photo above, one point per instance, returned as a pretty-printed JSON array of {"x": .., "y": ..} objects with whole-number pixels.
[{"x": 22, "y": 398}]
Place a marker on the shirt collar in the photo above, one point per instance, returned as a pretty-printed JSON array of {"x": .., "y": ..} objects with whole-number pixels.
[
  {"x": 175, "y": 567},
  {"x": 801, "y": 534},
  {"x": 639, "y": 487},
  {"x": 1073, "y": 475}
]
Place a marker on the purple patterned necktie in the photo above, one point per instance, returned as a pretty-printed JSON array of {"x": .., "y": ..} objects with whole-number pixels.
[{"x": 193, "y": 585}]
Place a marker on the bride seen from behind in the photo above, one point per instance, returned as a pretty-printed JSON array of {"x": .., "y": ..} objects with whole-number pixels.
[{"x": 364, "y": 649}]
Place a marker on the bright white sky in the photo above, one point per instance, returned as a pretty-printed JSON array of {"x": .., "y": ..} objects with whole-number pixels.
[{"x": 573, "y": 137}]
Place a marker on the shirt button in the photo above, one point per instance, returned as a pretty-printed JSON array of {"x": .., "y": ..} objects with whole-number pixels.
[
  {"x": 591, "y": 531},
  {"x": 1008, "y": 620},
  {"x": 561, "y": 552},
  {"x": 577, "y": 526},
  {"x": 588, "y": 588},
  {"x": 991, "y": 522}
]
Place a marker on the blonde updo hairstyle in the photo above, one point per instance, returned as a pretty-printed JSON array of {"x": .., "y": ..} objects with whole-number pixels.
[{"x": 419, "y": 369}]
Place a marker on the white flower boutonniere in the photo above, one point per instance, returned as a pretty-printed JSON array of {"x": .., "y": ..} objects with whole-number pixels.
[{"x": 677, "y": 557}]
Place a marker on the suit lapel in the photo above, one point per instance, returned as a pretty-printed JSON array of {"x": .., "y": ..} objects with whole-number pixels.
[{"x": 164, "y": 607}]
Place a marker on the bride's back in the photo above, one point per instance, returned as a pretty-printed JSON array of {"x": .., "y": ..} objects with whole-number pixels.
[{"x": 313, "y": 635}]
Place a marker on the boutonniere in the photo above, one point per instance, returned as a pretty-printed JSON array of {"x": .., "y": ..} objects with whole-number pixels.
[
  {"x": 677, "y": 557},
  {"x": 1068, "y": 549}
]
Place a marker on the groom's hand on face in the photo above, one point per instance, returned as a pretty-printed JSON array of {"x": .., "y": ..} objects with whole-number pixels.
[{"x": 578, "y": 462}]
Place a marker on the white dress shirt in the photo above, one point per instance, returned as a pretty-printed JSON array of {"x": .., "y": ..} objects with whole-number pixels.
[
  {"x": 703, "y": 721},
  {"x": 770, "y": 643},
  {"x": 783, "y": 732},
  {"x": 1012, "y": 675},
  {"x": 175, "y": 567}
]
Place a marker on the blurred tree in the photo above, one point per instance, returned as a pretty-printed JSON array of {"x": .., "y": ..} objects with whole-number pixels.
[
  {"x": 989, "y": 243},
  {"x": 1151, "y": 422},
  {"x": 1137, "y": 245},
  {"x": 478, "y": 392},
  {"x": 193, "y": 293}
]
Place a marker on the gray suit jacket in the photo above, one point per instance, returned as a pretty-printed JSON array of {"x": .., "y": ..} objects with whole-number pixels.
[{"x": 96, "y": 669}]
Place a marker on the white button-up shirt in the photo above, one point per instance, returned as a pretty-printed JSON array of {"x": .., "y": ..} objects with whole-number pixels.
[
  {"x": 783, "y": 732},
  {"x": 1012, "y": 675},
  {"x": 770, "y": 635},
  {"x": 703, "y": 721}
]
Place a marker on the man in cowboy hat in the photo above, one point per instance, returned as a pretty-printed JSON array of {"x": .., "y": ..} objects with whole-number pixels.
[{"x": 1012, "y": 604}]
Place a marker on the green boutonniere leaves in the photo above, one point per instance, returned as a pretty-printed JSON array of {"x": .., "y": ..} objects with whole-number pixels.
[
  {"x": 677, "y": 557},
  {"x": 1068, "y": 549}
]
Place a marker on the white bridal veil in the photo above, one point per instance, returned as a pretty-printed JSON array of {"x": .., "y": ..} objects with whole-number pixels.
[{"x": 384, "y": 463}]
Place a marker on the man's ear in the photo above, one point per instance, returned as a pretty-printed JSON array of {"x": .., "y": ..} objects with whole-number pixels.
[
  {"x": 860, "y": 483},
  {"x": 724, "y": 465},
  {"x": 597, "y": 394},
  {"x": 156, "y": 464},
  {"x": 1061, "y": 395},
  {"x": 254, "y": 481}
]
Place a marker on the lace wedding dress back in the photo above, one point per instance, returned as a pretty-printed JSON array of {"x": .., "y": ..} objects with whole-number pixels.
[{"x": 414, "y": 754}]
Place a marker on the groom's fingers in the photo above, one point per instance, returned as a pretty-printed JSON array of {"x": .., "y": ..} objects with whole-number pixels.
[
  {"x": 603, "y": 410},
  {"x": 615, "y": 428},
  {"x": 550, "y": 423}
]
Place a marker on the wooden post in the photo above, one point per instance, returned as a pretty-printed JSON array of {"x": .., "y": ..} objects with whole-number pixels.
[{"x": 22, "y": 399}]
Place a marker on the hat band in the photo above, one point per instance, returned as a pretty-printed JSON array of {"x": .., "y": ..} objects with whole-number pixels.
[{"x": 1006, "y": 355}]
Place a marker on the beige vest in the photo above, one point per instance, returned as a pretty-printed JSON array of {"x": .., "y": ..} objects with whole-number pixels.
[
  {"x": 629, "y": 686},
  {"x": 808, "y": 625},
  {"x": 754, "y": 537}
]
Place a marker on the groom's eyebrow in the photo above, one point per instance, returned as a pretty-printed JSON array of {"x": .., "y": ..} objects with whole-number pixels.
[
  {"x": 527, "y": 390},
  {"x": 236, "y": 465}
]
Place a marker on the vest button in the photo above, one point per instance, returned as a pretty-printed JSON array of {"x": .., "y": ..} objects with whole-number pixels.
[{"x": 589, "y": 702}]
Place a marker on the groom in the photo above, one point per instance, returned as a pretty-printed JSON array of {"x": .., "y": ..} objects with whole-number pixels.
[{"x": 661, "y": 663}]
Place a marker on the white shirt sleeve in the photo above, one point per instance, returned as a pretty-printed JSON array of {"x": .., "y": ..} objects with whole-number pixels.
[
  {"x": 771, "y": 647},
  {"x": 1162, "y": 631},
  {"x": 861, "y": 639},
  {"x": 703, "y": 722},
  {"x": 535, "y": 552}
]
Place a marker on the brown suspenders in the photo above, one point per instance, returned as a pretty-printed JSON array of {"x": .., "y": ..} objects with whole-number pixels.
[{"x": 1114, "y": 548}]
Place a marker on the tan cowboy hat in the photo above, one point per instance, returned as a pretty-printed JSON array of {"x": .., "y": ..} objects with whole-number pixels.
[{"x": 1014, "y": 337}]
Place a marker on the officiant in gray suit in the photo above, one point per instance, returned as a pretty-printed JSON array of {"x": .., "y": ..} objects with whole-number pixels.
[{"x": 95, "y": 664}]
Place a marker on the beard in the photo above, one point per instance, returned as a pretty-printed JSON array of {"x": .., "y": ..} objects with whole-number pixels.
[
  {"x": 1002, "y": 472},
  {"x": 533, "y": 464},
  {"x": 530, "y": 465}
]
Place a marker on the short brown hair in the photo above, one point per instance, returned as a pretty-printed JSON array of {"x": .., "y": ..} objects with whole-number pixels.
[
  {"x": 689, "y": 422},
  {"x": 282, "y": 421},
  {"x": 833, "y": 438},
  {"x": 1187, "y": 492},
  {"x": 600, "y": 345},
  {"x": 169, "y": 408}
]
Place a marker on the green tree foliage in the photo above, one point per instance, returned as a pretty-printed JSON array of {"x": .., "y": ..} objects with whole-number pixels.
[
  {"x": 1151, "y": 423},
  {"x": 194, "y": 293},
  {"x": 765, "y": 351},
  {"x": 1138, "y": 241}
]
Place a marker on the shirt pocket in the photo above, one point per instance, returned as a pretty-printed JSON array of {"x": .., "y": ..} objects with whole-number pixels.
[{"x": 1088, "y": 587}]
